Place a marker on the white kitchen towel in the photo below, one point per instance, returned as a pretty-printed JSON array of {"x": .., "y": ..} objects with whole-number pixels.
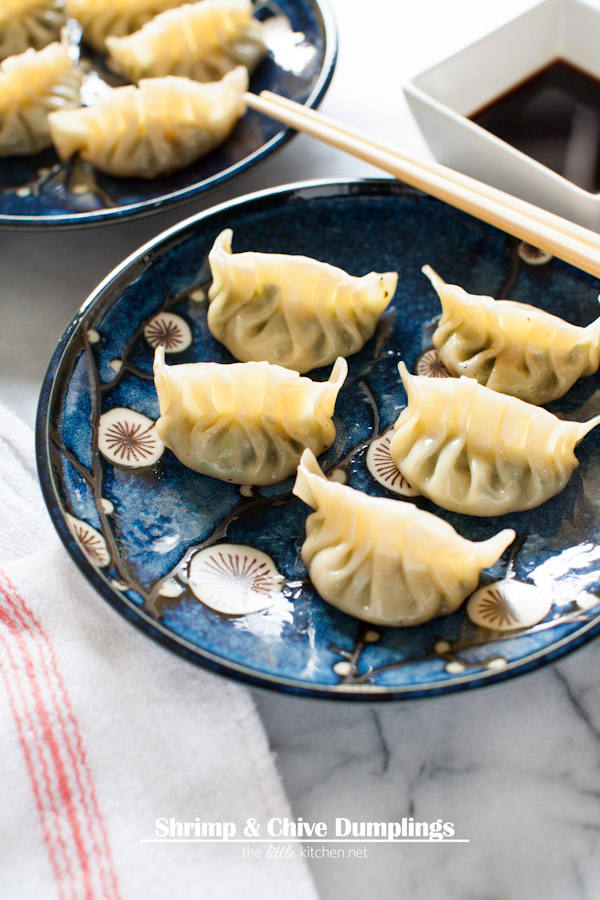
[{"x": 103, "y": 732}]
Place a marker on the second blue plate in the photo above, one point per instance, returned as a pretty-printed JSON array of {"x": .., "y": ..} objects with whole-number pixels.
[{"x": 39, "y": 192}]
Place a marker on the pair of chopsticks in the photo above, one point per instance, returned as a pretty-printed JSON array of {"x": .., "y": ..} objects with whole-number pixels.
[{"x": 566, "y": 240}]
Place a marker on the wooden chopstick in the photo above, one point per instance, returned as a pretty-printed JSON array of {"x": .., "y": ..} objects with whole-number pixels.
[
  {"x": 576, "y": 231},
  {"x": 560, "y": 237}
]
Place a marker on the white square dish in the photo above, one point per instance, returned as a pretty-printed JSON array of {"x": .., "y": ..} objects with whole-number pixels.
[{"x": 444, "y": 96}]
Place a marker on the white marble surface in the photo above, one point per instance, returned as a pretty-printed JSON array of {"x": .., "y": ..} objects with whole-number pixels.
[{"x": 516, "y": 767}]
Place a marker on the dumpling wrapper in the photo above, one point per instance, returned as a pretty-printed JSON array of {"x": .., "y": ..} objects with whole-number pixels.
[
  {"x": 246, "y": 423},
  {"x": 386, "y": 561},
  {"x": 99, "y": 18},
  {"x": 29, "y": 23},
  {"x": 33, "y": 84},
  {"x": 153, "y": 129},
  {"x": 475, "y": 451},
  {"x": 293, "y": 311},
  {"x": 201, "y": 40},
  {"x": 512, "y": 347}
]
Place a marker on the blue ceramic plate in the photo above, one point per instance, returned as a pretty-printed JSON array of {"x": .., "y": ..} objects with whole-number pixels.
[
  {"x": 39, "y": 192},
  {"x": 134, "y": 522}
]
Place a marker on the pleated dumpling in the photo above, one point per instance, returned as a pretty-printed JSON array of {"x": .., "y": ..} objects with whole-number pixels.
[
  {"x": 475, "y": 451},
  {"x": 32, "y": 85},
  {"x": 383, "y": 560},
  {"x": 512, "y": 347},
  {"x": 100, "y": 18},
  {"x": 247, "y": 423},
  {"x": 162, "y": 125},
  {"x": 291, "y": 310},
  {"x": 29, "y": 23},
  {"x": 201, "y": 40}
]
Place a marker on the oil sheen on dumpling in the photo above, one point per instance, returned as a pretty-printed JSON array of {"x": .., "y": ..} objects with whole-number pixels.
[
  {"x": 291, "y": 310},
  {"x": 512, "y": 347},
  {"x": 149, "y": 130},
  {"x": 247, "y": 423},
  {"x": 29, "y": 23},
  {"x": 475, "y": 451},
  {"x": 32, "y": 85},
  {"x": 199, "y": 40},
  {"x": 383, "y": 560},
  {"x": 99, "y": 18}
]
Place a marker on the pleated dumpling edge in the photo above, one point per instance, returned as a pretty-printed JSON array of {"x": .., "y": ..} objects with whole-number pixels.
[
  {"x": 246, "y": 423},
  {"x": 383, "y": 560},
  {"x": 478, "y": 452},
  {"x": 293, "y": 311},
  {"x": 512, "y": 347}
]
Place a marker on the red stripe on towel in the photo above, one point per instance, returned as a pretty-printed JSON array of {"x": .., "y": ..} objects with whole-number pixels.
[
  {"x": 68, "y": 723},
  {"x": 61, "y": 733},
  {"x": 30, "y": 744}
]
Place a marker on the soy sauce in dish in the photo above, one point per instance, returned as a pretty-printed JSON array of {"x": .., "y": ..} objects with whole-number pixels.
[{"x": 554, "y": 117}]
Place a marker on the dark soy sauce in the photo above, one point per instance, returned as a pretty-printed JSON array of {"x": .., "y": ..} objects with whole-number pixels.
[{"x": 554, "y": 117}]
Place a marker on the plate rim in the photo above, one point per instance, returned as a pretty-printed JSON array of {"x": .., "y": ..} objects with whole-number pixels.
[
  {"x": 308, "y": 189},
  {"x": 113, "y": 215}
]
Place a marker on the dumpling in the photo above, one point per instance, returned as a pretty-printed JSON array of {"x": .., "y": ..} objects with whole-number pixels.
[
  {"x": 291, "y": 310},
  {"x": 247, "y": 423},
  {"x": 150, "y": 130},
  {"x": 29, "y": 23},
  {"x": 474, "y": 451},
  {"x": 383, "y": 560},
  {"x": 99, "y": 18},
  {"x": 199, "y": 40},
  {"x": 512, "y": 347},
  {"x": 32, "y": 85}
]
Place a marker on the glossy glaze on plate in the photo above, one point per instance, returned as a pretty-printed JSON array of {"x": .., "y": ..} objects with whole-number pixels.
[
  {"x": 134, "y": 519},
  {"x": 38, "y": 191}
]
